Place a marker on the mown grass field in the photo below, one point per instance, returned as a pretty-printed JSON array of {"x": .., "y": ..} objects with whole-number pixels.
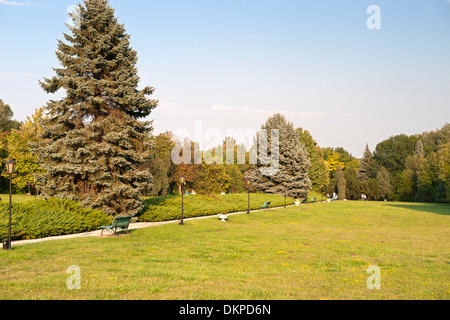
[{"x": 318, "y": 251}]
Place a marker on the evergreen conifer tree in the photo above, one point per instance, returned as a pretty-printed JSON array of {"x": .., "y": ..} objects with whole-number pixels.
[
  {"x": 94, "y": 138},
  {"x": 364, "y": 165},
  {"x": 294, "y": 162}
]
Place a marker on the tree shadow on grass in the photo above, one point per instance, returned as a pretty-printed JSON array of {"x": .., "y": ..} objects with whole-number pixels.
[{"x": 437, "y": 208}]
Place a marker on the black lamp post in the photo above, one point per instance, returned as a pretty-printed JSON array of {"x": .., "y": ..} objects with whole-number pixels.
[
  {"x": 10, "y": 168},
  {"x": 183, "y": 181},
  {"x": 248, "y": 191},
  {"x": 285, "y": 193}
]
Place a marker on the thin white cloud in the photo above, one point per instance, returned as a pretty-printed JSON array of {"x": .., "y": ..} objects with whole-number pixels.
[
  {"x": 236, "y": 121},
  {"x": 291, "y": 113},
  {"x": 219, "y": 112},
  {"x": 13, "y": 3}
]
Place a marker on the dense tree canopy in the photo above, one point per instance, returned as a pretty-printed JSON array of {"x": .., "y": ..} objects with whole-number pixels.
[
  {"x": 341, "y": 183},
  {"x": 318, "y": 172},
  {"x": 159, "y": 163},
  {"x": 393, "y": 152},
  {"x": 18, "y": 146},
  {"x": 7, "y": 124},
  {"x": 6, "y": 121},
  {"x": 417, "y": 165},
  {"x": 384, "y": 183}
]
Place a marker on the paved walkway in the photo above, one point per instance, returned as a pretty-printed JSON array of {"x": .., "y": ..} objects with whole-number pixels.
[{"x": 133, "y": 226}]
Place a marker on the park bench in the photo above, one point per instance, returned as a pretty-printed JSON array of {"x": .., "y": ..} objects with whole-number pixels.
[
  {"x": 118, "y": 223},
  {"x": 265, "y": 205},
  {"x": 313, "y": 200}
]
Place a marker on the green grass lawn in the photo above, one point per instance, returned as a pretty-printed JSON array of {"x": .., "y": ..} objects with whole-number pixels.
[{"x": 314, "y": 251}]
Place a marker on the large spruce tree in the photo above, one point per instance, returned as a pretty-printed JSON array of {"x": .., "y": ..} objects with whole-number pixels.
[
  {"x": 94, "y": 138},
  {"x": 293, "y": 163},
  {"x": 364, "y": 165}
]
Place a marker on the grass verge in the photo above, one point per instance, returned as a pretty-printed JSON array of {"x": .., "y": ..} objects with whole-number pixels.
[{"x": 319, "y": 251}]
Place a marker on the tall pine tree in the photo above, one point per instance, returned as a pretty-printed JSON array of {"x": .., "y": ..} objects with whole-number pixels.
[
  {"x": 94, "y": 138},
  {"x": 363, "y": 173},
  {"x": 293, "y": 163}
]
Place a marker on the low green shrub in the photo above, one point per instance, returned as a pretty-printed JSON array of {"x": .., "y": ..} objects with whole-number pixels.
[
  {"x": 169, "y": 207},
  {"x": 47, "y": 218}
]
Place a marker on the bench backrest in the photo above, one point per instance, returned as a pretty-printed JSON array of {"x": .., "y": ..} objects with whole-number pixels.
[
  {"x": 121, "y": 222},
  {"x": 266, "y": 204}
]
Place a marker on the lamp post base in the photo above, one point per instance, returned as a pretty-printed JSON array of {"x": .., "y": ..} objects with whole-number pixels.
[{"x": 6, "y": 244}]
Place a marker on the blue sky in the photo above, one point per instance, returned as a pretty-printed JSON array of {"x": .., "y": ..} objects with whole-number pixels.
[{"x": 231, "y": 64}]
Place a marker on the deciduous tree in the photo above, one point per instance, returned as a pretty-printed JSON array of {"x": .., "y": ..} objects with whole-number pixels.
[
  {"x": 18, "y": 146},
  {"x": 318, "y": 172}
]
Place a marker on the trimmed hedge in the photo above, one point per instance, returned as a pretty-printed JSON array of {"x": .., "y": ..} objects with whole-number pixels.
[
  {"x": 318, "y": 196},
  {"x": 169, "y": 207},
  {"x": 46, "y": 218}
]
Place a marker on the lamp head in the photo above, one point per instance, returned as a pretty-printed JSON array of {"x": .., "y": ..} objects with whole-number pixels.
[{"x": 10, "y": 166}]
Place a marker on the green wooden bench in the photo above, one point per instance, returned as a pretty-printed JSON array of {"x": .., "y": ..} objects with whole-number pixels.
[
  {"x": 118, "y": 223},
  {"x": 265, "y": 205},
  {"x": 313, "y": 200}
]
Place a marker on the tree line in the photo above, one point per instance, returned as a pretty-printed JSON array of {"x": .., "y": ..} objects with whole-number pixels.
[{"x": 401, "y": 168}]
